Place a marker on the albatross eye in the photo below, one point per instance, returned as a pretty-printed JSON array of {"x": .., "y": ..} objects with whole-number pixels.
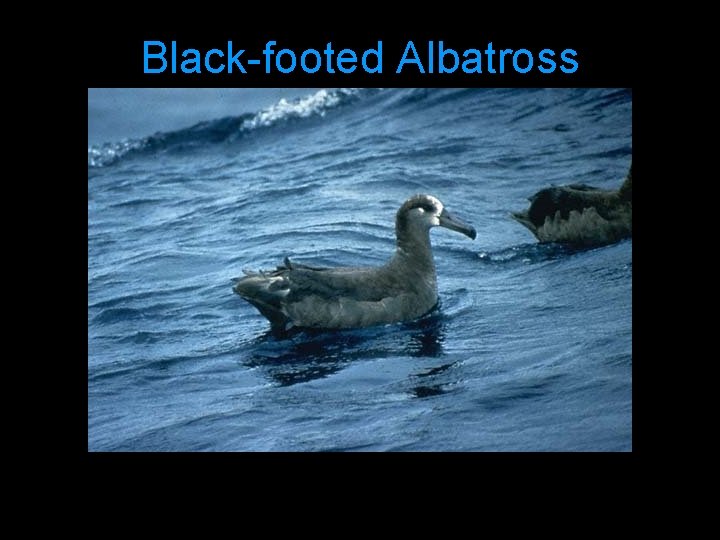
[{"x": 427, "y": 207}]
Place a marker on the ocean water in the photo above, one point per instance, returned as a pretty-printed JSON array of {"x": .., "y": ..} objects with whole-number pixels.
[{"x": 529, "y": 350}]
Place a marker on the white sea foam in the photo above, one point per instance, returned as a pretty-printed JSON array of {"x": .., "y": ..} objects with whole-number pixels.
[
  {"x": 104, "y": 154},
  {"x": 314, "y": 104}
]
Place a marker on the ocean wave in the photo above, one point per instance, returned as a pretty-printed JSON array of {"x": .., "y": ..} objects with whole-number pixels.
[
  {"x": 226, "y": 129},
  {"x": 314, "y": 104}
]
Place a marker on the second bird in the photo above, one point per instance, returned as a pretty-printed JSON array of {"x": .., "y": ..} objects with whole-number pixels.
[{"x": 579, "y": 214}]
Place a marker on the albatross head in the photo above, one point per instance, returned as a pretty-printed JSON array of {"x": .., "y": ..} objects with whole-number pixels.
[{"x": 425, "y": 211}]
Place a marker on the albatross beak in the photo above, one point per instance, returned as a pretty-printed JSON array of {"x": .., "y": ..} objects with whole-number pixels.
[{"x": 454, "y": 224}]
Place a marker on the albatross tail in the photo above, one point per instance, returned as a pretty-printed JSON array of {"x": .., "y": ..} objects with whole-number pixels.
[
  {"x": 266, "y": 292},
  {"x": 524, "y": 219}
]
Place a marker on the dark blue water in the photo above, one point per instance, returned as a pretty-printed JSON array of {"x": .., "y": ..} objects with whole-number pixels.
[{"x": 530, "y": 350}]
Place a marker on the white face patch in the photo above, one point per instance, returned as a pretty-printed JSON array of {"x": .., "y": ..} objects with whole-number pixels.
[
  {"x": 437, "y": 204},
  {"x": 430, "y": 219}
]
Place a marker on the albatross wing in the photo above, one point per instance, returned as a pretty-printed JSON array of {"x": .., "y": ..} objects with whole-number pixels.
[{"x": 301, "y": 295}]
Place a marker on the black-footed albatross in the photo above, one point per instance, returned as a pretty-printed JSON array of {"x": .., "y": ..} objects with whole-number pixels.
[
  {"x": 579, "y": 214},
  {"x": 403, "y": 289}
]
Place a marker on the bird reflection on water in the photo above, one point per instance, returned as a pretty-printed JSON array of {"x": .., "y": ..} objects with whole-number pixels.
[{"x": 304, "y": 355}]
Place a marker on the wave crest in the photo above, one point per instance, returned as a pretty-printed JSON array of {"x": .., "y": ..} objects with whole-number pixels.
[
  {"x": 314, "y": 104},
  {"x": 225, "y": 129}
]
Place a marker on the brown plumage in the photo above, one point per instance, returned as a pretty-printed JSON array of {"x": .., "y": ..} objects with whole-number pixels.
[
  {"x": 403, "y": 289},
  {"x": 579, "y": 214}
]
